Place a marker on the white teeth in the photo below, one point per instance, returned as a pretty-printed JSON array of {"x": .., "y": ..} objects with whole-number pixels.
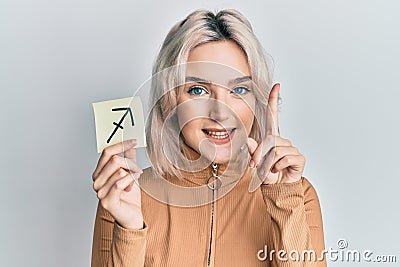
[{"x": 219, "y": 134}]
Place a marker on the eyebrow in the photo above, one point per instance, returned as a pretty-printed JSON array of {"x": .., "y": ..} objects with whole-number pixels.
[
  {"x": 234, "y": 81},
  {"x": 196, "y": 80}
]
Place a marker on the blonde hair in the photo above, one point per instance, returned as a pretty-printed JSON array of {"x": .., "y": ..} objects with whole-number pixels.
[{"x": 199, "y": 27}]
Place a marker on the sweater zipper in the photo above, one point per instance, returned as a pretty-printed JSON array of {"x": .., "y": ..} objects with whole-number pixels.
[{"x": 214, "y": 183}]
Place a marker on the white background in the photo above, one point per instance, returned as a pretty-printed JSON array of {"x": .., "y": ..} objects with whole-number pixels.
[{"x": 337, "y": 61}]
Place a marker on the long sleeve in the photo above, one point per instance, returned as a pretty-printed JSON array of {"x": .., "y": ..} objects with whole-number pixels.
[
  {"x": 296, "y": 223},
  {"x": 114, "y": 245}
]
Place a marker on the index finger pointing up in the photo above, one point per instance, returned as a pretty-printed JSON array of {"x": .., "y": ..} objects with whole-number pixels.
[{"x": 272, "y": 113}]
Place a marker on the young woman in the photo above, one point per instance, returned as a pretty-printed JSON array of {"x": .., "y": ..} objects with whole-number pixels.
[{"x": 224, "y": 188}]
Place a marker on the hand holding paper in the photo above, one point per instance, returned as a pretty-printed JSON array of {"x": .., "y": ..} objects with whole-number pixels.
[{"x": 119, "y": 129}]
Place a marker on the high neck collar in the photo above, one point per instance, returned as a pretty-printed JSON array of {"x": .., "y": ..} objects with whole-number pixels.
[{"x": 200, "y": 177}]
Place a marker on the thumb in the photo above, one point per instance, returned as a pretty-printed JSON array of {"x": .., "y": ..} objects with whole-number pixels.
[{"x": 255, "y": 151}]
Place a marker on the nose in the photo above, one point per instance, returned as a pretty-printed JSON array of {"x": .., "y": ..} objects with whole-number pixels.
[{"x": 219, "y": 109}]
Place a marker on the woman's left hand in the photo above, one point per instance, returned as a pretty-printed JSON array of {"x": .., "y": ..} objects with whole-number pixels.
[{"x": 276, "y": 159}]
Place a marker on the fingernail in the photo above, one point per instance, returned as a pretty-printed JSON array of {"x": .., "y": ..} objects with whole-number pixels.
[
  {"x": 261, "y": 172},
  {"x": 132, "y": 142},
  {"x": 252, "y": 164}
]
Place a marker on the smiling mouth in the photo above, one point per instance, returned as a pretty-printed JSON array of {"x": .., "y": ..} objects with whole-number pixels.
[{"x": 218, "y": 133}]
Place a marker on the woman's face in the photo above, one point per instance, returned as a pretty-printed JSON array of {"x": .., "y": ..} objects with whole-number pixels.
[{"x": 223, "y": 94}]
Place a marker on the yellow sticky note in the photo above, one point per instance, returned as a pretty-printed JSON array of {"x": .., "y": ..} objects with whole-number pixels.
[{"x": 118, "y": 120}]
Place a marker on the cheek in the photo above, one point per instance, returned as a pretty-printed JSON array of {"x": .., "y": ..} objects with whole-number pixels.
[
  {"x": 190, "y": 132},
  {"x": 186, "y": 130},
  {"x": 246, "y": 116},
  {"x": 247, "y": 120}
]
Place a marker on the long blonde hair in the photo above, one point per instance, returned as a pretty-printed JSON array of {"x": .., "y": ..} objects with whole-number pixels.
[{"x": 199, "y": 27}]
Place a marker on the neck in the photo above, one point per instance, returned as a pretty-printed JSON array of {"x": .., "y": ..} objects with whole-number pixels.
[
  {"x": 193, "y": 155},
  {"x": 229, "y": 170}
]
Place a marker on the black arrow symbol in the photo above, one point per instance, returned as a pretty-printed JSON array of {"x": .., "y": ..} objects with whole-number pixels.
[{"x": 118, "y": 125}]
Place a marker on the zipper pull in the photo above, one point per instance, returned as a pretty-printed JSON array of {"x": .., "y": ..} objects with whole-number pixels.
[{"x": 214, "y": 182}]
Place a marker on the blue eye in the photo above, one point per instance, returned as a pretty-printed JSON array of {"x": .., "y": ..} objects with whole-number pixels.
[
  {"x": 240, "y": 90},
  {"x": 197, "y": 90}
]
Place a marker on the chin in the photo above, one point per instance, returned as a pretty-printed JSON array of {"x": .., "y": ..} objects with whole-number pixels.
[
  {"x": 223, "y": 153},
  {"x": 222, "y": 156},
  {"x": 221, "y": 161}
]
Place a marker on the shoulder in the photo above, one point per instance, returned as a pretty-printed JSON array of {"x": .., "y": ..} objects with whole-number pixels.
[
  {"x": 311, "y": 202},
  {"x": 148, "y": 176},
  {"x": 152, "y": 189},
  {"x": 147, "y": 171},
  {"x": 310, "y": 193}
]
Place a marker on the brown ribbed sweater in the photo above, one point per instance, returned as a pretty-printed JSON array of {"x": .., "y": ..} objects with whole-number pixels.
[{"x": 279, "y": 216}]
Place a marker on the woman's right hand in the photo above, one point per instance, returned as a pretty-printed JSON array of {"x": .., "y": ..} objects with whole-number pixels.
[{"x": 114, "y": 181}]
